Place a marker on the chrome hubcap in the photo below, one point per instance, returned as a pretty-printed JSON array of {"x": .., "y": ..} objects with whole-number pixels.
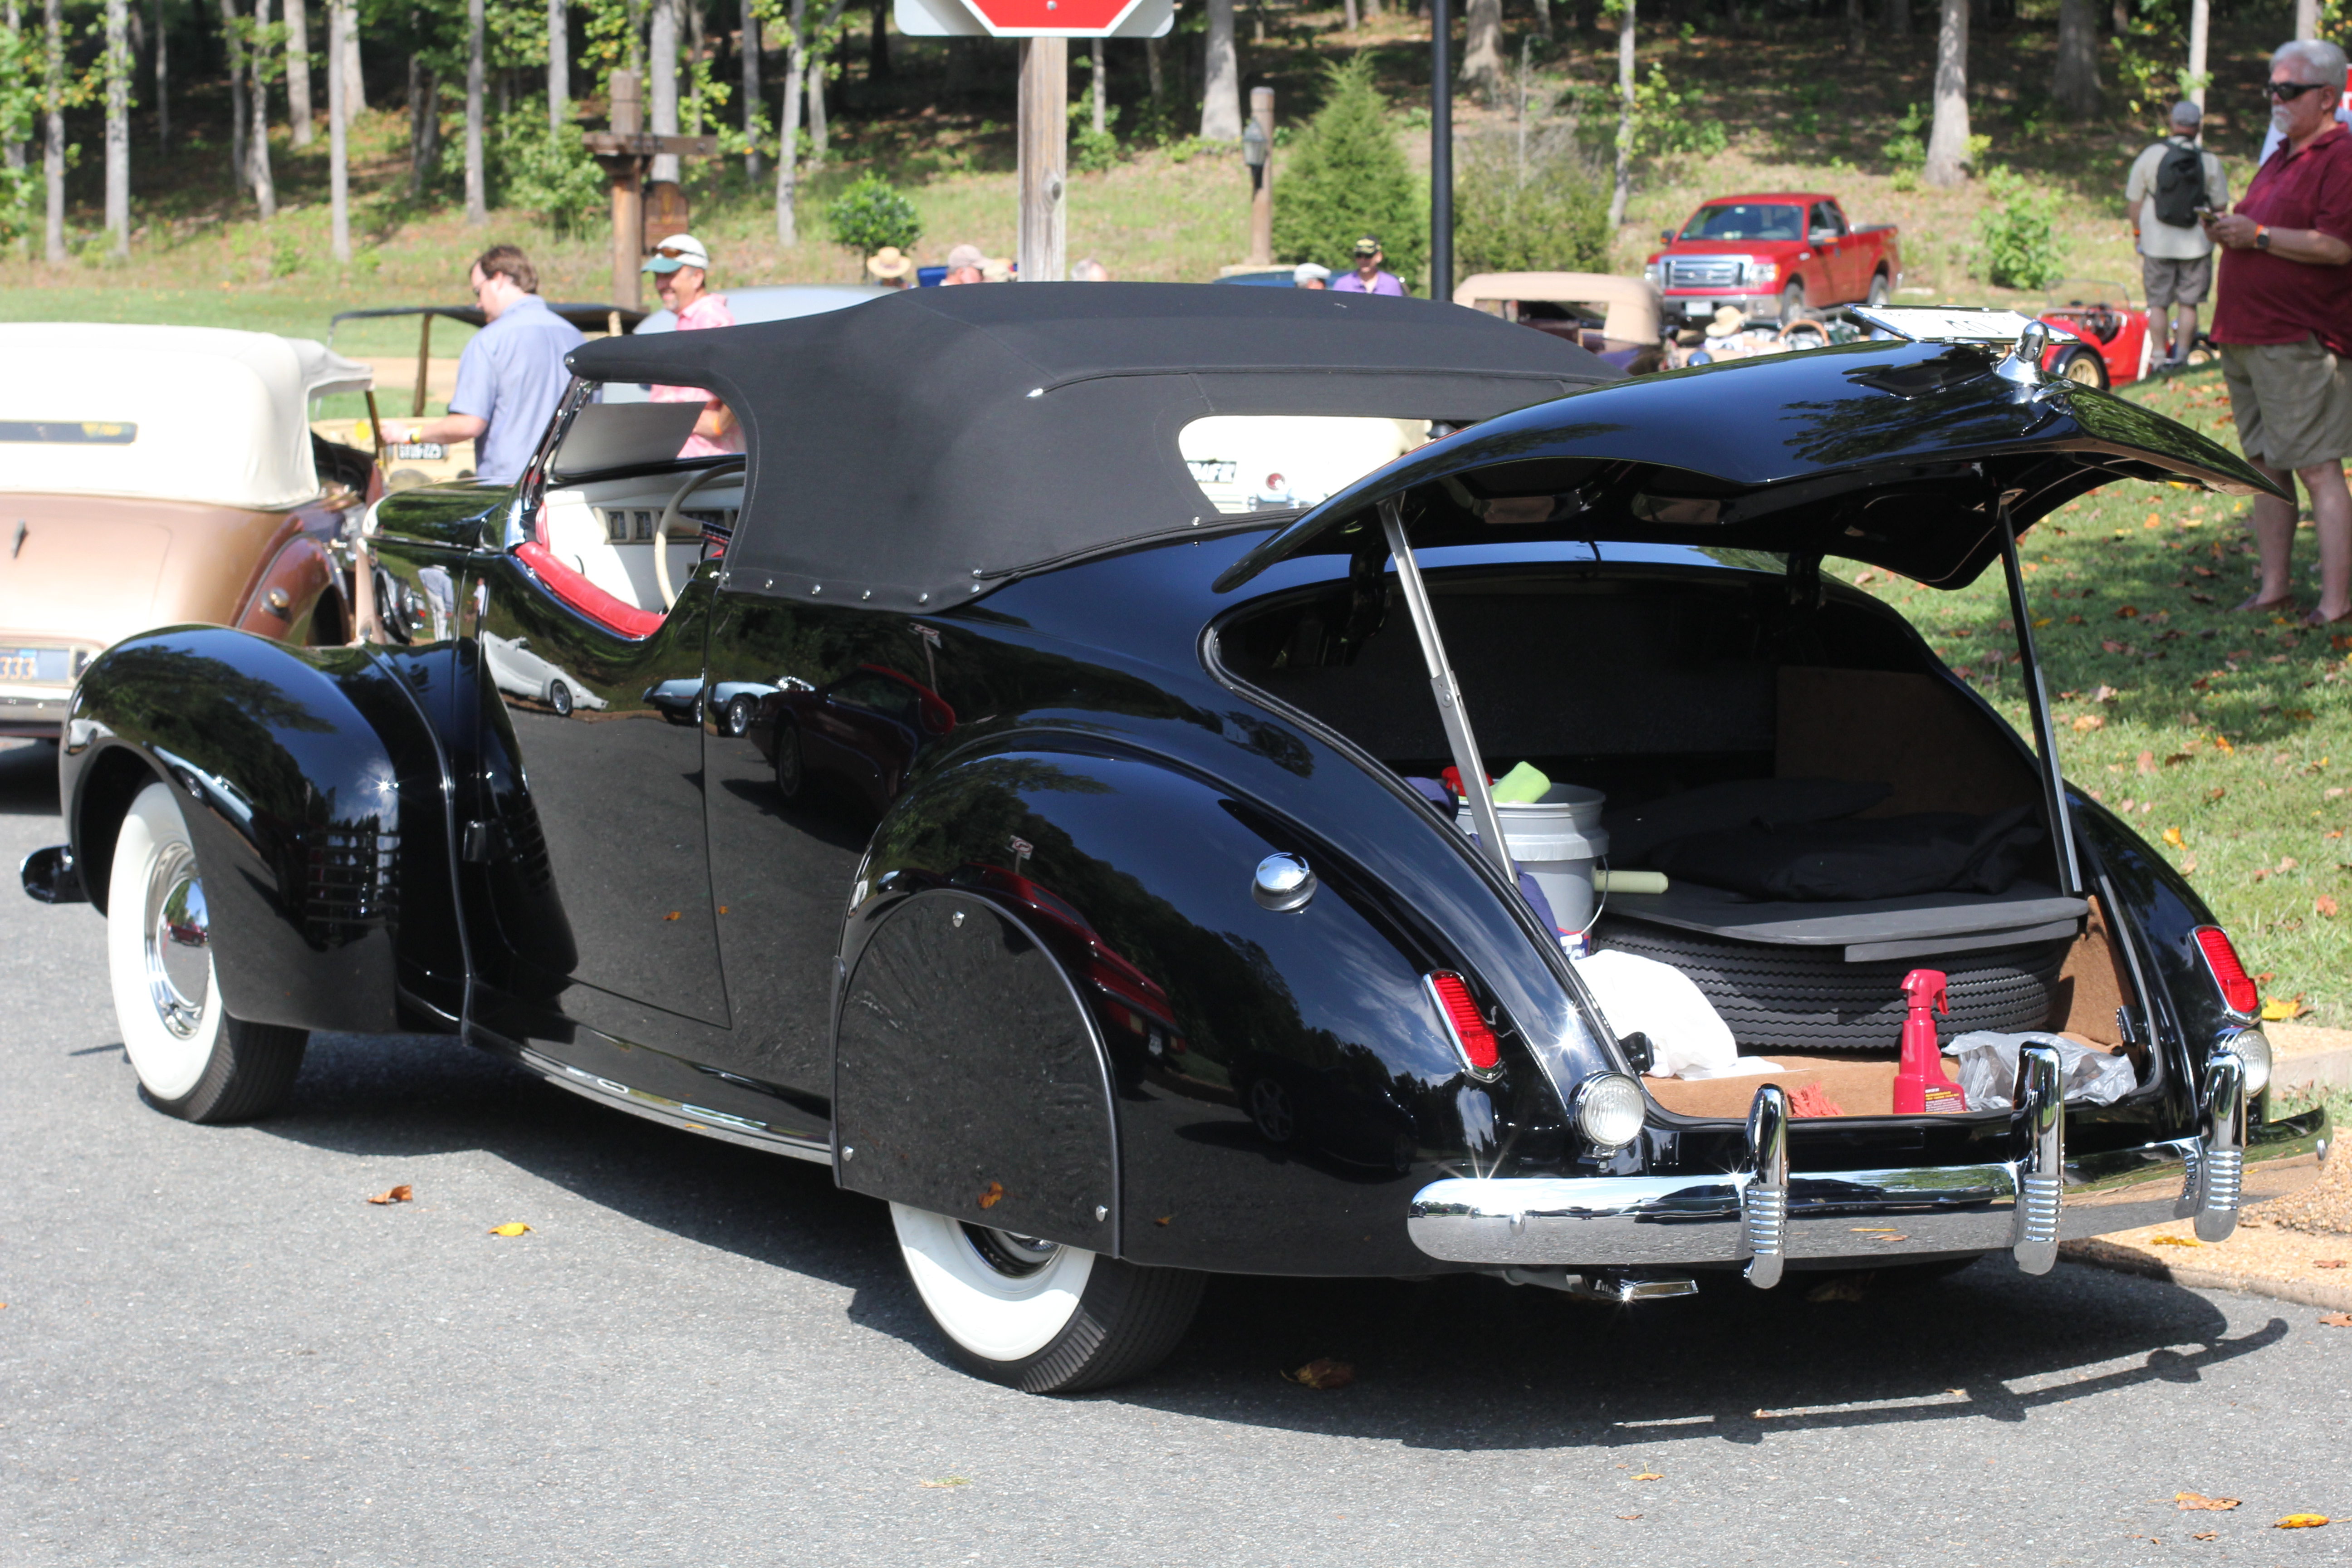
[
  {"x": 178, "y": 941},
  {"x": 1014, "y": 1256}
]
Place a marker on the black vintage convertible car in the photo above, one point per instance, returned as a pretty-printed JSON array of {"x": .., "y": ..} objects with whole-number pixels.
[{"x": 1146, "y": 941}]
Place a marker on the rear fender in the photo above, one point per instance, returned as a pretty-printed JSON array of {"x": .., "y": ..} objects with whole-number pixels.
[
  {"x": 1245, "y": 1045},
  {"x": 315, "y": 799}
]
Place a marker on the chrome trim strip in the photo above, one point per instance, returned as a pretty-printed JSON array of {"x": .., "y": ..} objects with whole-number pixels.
[
  {"x": 1764, "y": 1201},
  {"x": 677, "y": 1113},
  {"x": 2041, "y": 1129}
]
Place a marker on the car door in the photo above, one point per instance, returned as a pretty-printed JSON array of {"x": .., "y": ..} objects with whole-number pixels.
[{"x": 1825, "y": 229}]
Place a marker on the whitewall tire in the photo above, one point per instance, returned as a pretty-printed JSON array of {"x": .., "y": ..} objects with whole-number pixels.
[
  {"x": 1046, "y": 1319},
  {"x": 192, "y": 1059}
]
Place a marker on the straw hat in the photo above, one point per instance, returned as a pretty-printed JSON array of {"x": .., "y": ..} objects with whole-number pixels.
[
  {"x": 1728, "y": 321},
  {"x": 996, "y": 269},
  {"x": 889, "y": 264}
]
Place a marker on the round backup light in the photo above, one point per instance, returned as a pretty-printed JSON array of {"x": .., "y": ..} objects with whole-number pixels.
[
  {"x": 2253, "y": 1049},
  {"x": 1609, "y": 1110}
]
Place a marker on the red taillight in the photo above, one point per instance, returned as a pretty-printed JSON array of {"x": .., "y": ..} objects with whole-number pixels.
[
  {"x": 2237, "y": 985},
  {"x": 1472, "y": 1035}
]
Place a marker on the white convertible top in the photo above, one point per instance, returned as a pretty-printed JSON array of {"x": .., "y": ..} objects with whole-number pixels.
[{"x": 183, "y": 413}]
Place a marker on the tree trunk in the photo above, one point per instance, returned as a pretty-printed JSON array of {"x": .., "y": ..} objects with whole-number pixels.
[
  {"x": 53, "y": 137},
  {"x": 814, "y": 94},
  {"x": 354, "y": 83},
  {"x": 877, "y": 42},
  {"x": 2306, "y": 19},
  {"x": 235, "y": 46},
  {"x": 117, "y": 124},
  {"x": 1542, "y": 10},
  {"x": 478, "y": 210},
  {"x": 11, "y": 151},
  {"x": 1155, "y": 72},
  {"x": 695, "y": 44},
  {"x": 1101, "y": 84},
  {"x": 2119, "y": 17},
  {"x": 2074, "y": 83},
  {"x": 788, "y": 143},
  {"x": 1221, "y": 76},
  {"x": 1948, "y": 138},
  {"x": 1354, "y": 21},
  {"x": 1623, "y": 186},
  {"x": 559, "y": 63},
  {"x": 1895, "y": 16},
  {"x": 661, "y": 84},
  {"x": 2200, "y": 26},
  {"x": 750, "y": 53},
  {"x": 1856, "y": 30},
  {"x": 1482, "y": 49},
  {"x": 423, "y": 122},
  {"x": 163, "y": 78},
  {"x": 264, "y": 189},
  {"x": 338, "y": 165},
  {"x": 297, "y": 71}
]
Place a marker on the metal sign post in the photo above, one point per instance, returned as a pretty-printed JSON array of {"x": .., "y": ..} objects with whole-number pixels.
[{"x": 1043, "y": 131}]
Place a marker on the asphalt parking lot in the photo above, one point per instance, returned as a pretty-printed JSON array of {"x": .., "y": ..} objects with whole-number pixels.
[{"x": 214, "y": 1350}]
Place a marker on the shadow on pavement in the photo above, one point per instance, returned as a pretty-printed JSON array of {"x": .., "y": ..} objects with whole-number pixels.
[
  {"x": 1456, "y": 1363},
  {"x": 29, "y": 778}
]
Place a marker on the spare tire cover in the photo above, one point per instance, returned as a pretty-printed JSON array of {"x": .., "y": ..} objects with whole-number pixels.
[{"x": 1810, "y": 999}]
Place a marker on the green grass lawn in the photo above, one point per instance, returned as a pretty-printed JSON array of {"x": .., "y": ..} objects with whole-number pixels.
[{"x": 2222, "y": 736}]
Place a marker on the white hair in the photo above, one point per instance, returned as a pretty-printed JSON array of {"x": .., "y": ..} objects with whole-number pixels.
[{"x": 2321, "y": 62}]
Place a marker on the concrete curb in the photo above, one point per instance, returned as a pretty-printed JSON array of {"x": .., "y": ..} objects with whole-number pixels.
[
  {"x": 2307, "y": 1293},
  {"x": 2331, "y": 1067}
]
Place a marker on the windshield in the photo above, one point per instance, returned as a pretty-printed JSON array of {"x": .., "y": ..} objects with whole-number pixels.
[{"x": 1745, "y": 220}]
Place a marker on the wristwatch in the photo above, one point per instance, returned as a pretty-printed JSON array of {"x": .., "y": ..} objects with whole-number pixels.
[{"x": 2262, "y": 236}]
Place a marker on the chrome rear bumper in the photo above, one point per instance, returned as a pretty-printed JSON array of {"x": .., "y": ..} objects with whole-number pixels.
[{"x": 1617, "y": 1222}]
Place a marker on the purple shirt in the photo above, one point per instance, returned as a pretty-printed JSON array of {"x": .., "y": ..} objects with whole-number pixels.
[{"x": 1383, "y": 282}]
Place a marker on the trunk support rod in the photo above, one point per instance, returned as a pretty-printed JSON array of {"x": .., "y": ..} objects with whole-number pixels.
[
  {"x": 2037, "y": 703},
  {"x": 1450, "y": 710}
]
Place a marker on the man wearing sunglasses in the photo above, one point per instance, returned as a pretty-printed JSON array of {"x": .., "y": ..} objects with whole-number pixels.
[
  {"x": 681, "y": 273},
  {"x": 2284, "y": 325},
  {"x": 511, "y": 376}
]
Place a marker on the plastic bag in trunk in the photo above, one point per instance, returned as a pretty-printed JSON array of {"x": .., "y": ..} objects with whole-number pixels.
[{"x": 1988, "y": 1072}]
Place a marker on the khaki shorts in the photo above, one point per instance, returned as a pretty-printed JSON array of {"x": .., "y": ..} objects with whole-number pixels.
[
  {"x": 2293, "y": 402},
  {"x": 2171, "y": 282}
]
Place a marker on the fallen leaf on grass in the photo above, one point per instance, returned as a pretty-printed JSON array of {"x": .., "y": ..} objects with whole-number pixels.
[
  {"x": 2128, "y": 612},
  {"x": 2203, "y": 598},
  {"x": 2188, "y": 1502},
  {"x": 399, "y": 1194},
  {"x": 991, "y": 1194},
  {"x": 2279, "y": 1009},
  {"x": 2337, "y": 1320},
  {"x": 2177, "y": 758},
  {"x": 2174, "y": 1241},
  {"x": 950, "y": 1481},
  {"x": 2213, "y": 796},
  {"x": 2300, "y": 1521},
  {"x": 512, "y": 1227},
  {"x": 2109, "y": 645},
  {"x": 1649, "y": 1476},
  {"x": 2324, "y": 905},
  {"x": 2041, "y": 622},
  {"x": 2172, "y": 836},
  {"x": 1323, "y": 1373},
  {"x": 2105, "y": 694},
  {"x": 2146, "y": 763},
  {"x": 2088, "y": 723}
]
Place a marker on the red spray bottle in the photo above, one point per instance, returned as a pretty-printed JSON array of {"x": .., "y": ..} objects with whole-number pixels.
[{"x": 1920, "y": 1084}]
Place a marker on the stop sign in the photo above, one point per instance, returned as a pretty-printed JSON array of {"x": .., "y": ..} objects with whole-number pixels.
[
  {"x": 1051, "y": 18},
  {"x": 1035, "y": 19}
]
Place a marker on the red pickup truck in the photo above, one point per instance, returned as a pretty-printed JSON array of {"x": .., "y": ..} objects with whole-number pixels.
[{"x": 1773, "y": 255}]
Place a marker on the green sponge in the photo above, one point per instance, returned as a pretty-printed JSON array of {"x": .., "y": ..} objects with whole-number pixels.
[{"x": 1522, "y": 786}]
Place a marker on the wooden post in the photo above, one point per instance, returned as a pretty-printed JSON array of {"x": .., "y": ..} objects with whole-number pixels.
[
  {"x": 1043, "y": 133},
  {"x": 1441, "y": 147},
  {"x": 628, "y": 193},
  {"x": 1261, "y": 245}
]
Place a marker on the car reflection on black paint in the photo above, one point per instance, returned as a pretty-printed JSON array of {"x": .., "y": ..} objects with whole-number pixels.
[
  {"x": 732, "y": 701},
  {"x": 1130, "y": 999},
  {"x": 860, "y": 733},
  {"x": 1324, "y": 1109}
]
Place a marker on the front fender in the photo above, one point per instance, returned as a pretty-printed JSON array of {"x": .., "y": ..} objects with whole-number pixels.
[
  {"x": 315, "y": 800},
  {"x": 1282, "y": 1083}
]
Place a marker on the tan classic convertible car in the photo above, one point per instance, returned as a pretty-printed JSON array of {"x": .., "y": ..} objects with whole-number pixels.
[{"x": 156, "y": 476}]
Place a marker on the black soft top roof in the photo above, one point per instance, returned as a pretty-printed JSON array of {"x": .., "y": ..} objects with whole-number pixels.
[{"x": 919, "y": 448}]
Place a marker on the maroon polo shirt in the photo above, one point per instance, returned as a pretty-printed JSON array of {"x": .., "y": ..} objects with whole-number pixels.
[{"x": 2266, "y": 299}]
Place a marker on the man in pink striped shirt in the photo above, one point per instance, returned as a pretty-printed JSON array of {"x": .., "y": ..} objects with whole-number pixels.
[{"x": 681, "y": 269}]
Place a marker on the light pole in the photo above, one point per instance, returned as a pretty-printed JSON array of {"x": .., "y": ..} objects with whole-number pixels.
[
  {"x": 1440, "y": 150},
  {"x": 1257, "y": 152}
]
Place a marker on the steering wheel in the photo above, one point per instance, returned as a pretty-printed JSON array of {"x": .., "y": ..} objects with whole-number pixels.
[{"x": 694, "y": 482}]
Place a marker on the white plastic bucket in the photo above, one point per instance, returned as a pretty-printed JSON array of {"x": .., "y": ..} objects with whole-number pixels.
[{"x": 1555, "y": 840}]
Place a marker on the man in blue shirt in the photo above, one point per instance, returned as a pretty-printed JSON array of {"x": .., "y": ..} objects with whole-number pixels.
[
  {"x": 1369, "y": 276},
  {"x": 511, "y": 377}
]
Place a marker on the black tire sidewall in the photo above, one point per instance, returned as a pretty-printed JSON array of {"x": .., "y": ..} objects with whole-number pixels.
[{"x": 1127, "y": 1320}]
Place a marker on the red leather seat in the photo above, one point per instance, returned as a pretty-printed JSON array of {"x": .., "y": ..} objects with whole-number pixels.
[{"x": 614, "y": 615}]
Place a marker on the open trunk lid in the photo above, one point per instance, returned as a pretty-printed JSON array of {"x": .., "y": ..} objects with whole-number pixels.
[{"x": 1901, "y": 455}]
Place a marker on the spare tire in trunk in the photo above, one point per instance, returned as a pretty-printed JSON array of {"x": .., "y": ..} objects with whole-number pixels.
[{"x": 1810, "y": 999}]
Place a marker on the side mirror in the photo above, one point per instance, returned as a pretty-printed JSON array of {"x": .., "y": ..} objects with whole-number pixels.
[{"x": 1668, "y": 235}]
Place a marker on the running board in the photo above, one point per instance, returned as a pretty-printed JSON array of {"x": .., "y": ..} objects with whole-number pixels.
[{"x": 677, "y": 1113}]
